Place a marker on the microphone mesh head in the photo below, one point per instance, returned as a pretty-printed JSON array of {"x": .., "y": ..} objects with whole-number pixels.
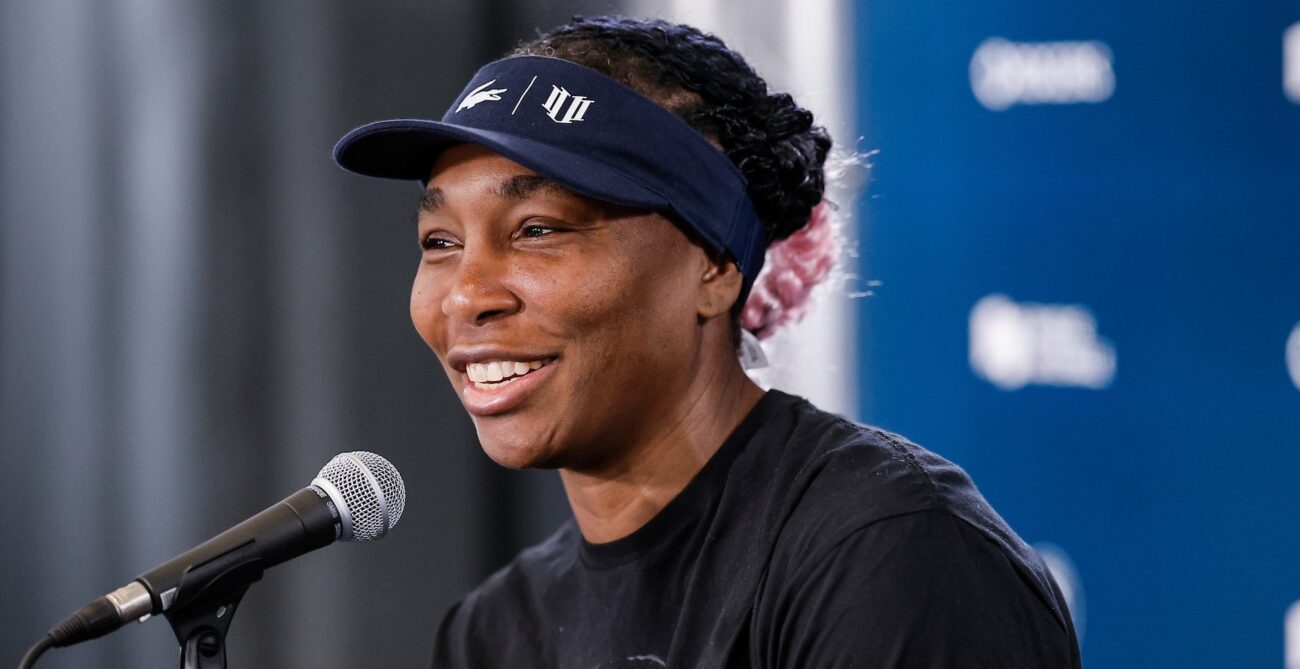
[{"x": 372, "y": 490}]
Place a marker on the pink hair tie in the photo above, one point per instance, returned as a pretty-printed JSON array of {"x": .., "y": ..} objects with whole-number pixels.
[{"x": 795, "y": 265}]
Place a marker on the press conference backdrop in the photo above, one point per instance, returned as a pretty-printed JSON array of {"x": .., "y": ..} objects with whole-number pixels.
[{"x": 1085, "y": 221}]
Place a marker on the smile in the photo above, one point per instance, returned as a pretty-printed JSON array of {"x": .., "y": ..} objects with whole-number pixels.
[
  {"x": 499, "y": 373},
  {"x": 500, "y": 386}
]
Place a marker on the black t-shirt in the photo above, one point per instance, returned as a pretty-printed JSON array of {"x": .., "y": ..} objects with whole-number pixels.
[{"x": 806, "y": 541}]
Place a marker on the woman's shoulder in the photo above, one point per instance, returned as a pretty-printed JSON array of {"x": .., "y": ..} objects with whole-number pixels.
[
  {"x": 832, "y": 457},
  {"x": 519, "y": 581},
  {"x": 847, "y": 481},
  {"x": 840, "y": 476},
  {"x": 496, "y": 622}
]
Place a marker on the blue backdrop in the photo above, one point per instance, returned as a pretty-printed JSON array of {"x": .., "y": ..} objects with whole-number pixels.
[{"x": 1085, "y": 219}]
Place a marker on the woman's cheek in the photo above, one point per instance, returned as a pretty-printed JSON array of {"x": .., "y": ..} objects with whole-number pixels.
[
  {"x": 565, "y": 292},
  {"x": 426, "y": 309}
]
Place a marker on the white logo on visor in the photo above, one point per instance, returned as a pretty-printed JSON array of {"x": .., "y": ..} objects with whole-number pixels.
[
  {"x": 555, "y": 104},
  {"x": 479, "y": 95}
]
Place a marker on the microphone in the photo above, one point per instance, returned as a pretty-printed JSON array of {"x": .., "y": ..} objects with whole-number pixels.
[{"x": 357, "y": 496}]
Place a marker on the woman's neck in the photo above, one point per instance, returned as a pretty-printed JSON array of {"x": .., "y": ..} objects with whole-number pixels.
[{"x": 615, "y": 500}]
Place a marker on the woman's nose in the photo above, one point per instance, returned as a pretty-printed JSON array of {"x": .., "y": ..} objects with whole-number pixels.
[{"x": 479, "y": 293}]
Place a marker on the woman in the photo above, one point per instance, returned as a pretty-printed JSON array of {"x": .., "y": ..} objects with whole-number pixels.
[{"x": 597, "y": 208}]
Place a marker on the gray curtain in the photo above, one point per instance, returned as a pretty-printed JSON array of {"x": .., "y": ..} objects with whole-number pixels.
[{"x": 198, "y": 309}]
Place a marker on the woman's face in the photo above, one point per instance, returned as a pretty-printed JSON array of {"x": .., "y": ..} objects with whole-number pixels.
[{"x": 569, "y": 327}]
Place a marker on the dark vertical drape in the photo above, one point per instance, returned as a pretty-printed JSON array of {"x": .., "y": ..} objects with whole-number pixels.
[{"x": 198, "y": 309}]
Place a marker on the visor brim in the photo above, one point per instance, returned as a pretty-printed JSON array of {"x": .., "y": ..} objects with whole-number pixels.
[{"x": 408, "y": 148}]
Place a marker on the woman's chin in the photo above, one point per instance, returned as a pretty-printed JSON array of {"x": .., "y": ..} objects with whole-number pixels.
[{"x": 516, "y": 451}]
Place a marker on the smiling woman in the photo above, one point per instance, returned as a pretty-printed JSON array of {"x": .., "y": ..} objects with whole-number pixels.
[{"x": 596, "y": 211}]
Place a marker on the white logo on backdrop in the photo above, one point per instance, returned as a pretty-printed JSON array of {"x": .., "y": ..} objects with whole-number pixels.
[
  {"x": 1293, "y": 355},
  {"x": 1013, "y": 345},
  {"x": 1067, "y": 578},
  {"x": 479, "y": 95},
  {"x": 1004, "y": 73},
  {"x": 554, "y": 105},
  {"x": 1291, "y": 63}
]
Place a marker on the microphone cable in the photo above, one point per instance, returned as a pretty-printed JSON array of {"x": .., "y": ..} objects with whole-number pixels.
[{"x": 36, "y": 651}]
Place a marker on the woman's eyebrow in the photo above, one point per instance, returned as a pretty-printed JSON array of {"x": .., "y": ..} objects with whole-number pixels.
[
  {"x": 430, "y": 200},
  {"x": 521, "y": 186},
  {"x": 518, "y": 187}
]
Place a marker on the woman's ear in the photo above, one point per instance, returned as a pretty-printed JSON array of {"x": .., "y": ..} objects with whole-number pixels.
[{"x": 720, "y": 286}]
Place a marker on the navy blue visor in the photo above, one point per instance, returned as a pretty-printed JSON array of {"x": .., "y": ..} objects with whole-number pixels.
[{"x": 587, "y": 132}]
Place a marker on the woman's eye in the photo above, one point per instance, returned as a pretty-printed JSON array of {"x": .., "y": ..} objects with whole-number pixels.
[
  {"x": 435, "y": 243},
  {"x": 536, "y": 230}
]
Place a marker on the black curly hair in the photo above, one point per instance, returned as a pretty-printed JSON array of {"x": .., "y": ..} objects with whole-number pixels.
[{"x": 693, "y": 74}]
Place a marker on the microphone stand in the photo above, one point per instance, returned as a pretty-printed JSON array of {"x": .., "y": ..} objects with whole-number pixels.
[{"x": 205, "y": 602}]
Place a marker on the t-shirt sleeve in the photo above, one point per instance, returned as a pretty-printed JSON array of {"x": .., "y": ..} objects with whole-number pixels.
[
  {"x": 448, "y": 645},
  {"x": 923, "y": 589}
]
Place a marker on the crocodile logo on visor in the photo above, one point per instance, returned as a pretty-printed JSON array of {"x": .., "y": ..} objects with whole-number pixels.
[{"x": 479, "y": 95}]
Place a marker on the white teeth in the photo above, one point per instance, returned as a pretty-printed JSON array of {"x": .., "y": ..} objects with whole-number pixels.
[
  {"x": 488, "y": 375},
  {"x": 490, "y": 386}
]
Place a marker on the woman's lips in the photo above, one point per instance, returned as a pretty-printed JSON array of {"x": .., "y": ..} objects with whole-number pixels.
[{"x": 490, "y": 398}]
